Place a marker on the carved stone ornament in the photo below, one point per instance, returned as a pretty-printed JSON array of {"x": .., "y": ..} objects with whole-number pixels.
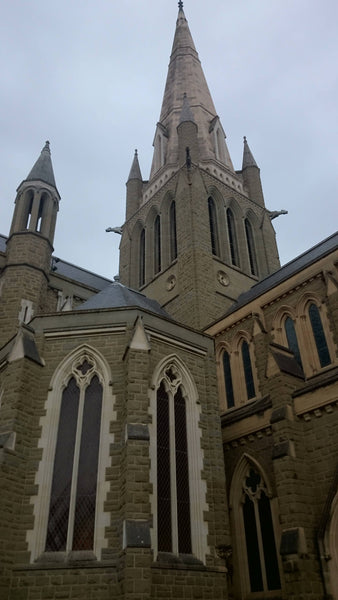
[
  {"x": 171, "y": 282},
  {"x": 223, "y": 278}
]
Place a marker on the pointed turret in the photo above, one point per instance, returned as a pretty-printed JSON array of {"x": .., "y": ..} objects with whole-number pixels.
[
  {"x": 134, "y": 188},
  {"x": 248, "y": 159},
  {"x": 251, "y": 175},
  {"x": 43, "y": 168},
  {"x": 185, "y": 75},
  {"x": 135, "y": 171},
  {"x": 30, "y": 245}
]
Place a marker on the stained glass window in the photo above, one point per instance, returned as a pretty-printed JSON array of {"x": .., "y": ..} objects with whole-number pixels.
[
  {"x": 213, "y": 227},
  {"x": 71, "y": 518},
  {"x": 259, "y": 535},
  {"x": 292, "y": 339},
  {"x": 142, "y": 263},
  {"x": 248, "y": 374},
  {"x": 173, "y": 236},
  {"x": 232, "y": 238},
  {"x": 251, "y": 247},
  {"x": 319, "y": 336},
  {"x": 157, "y": 244},
  {"x": 173, "y": 522},
  {"x": 228, "y": 380}
]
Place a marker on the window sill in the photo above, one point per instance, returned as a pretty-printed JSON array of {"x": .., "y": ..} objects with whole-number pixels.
[{"x": 67, "y": 560}]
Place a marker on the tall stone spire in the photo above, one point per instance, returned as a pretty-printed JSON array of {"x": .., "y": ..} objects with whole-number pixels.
[
  {"x": 43, "y": 168},
  {"x": 185, "y": 76}
]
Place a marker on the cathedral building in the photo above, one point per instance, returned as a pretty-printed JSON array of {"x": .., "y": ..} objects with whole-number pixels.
[{"x": 171, "y": 434}]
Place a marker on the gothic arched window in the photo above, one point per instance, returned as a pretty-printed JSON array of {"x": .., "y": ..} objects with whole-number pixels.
[
  {"x": 247, "y": 368},
  {"x": 173, "y": 521},
  {"x": 71, "y": 517},
  {"x": 230, "y": 400},
  {"x": 319, "y": 336},
  {"x": 251, "y": 247},
  {"x": 172, "y": 231},
  {"x": 213, "y": 227},
  {"x": 232, "y": 238},
  {"x": 157, "y": 244},
  {"x": 291, "y": 337},
  {"x": 262, "y": 562},
  {"x": 142, "y": 259}
]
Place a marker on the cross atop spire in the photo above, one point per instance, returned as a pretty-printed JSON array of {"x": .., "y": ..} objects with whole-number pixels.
[{"x": 180, "y": 5}]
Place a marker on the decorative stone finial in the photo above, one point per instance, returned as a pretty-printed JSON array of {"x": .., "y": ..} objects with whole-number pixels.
[
  {"x": 244, "y": 138},
  {"x": 180, "y": 5},
  {"x": 135, "y": 151}
]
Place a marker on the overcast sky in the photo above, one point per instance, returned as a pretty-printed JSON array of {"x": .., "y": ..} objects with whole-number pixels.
[{"x": 89, "y": 76}]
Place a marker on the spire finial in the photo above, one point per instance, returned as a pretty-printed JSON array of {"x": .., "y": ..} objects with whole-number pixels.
[{"x": 180, "y": 5}]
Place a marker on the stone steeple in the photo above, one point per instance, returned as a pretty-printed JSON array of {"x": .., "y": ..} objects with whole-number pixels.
[
  {"x": 186, "y": 79},
  {"x": 135, "y": 171}
]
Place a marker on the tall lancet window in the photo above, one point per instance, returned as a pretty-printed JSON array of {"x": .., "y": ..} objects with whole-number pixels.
[
  {"x": 157, "y": 244},
  {"x": 213, "y": 227},
  {"x": 259, "y": 534},
  {"x": 71, "y": 519},
  {"x": 319, "y": 336},
  {"x": 232, "y": 238},
  {"x": 251, "y": 247},
  {"x": 173, "y": 494},
  {"x": 173, "y": 237},
  {"x": 230, "y": 400},
  {"x": 142, "y": 259},
  {"x": 291, "y": 337},
  {"x": 248, "y": 374}
]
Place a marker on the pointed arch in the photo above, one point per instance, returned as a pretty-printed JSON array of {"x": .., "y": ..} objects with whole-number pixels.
[
  {"x": 251, "y": 246},
  {"x": 254, "y": 522},
  {"x": 176, "y": 449},
  {"x": 75, "y": 454},
  {"x": 232, "y": 237},
  {"x": 318, "y": 348},
  {"x": 213, "y": 225}
]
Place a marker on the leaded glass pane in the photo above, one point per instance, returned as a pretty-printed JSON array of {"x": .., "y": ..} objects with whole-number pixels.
[
  {"x": 142, "y": 263},
  {"x": 269, "y": 545},
  {"x": 228, "y": 380},
  {"x": 213, "y": 227},
  {"x": 232, "y": 238},
  {"x": 63, "y": 469},
  {"x": 319, "y": 336},
  {"x": 84, "y": 521},
  {"x": 251, "y": 247},
  {"x": 173, "y": 237},
  {"x": 292, "y": 339},
  {"x": 182, "y": 475},
  {"x": 157, "y": 246},
  {"x": 163, "y": 472},
  {"x": 252, "y": 548},
  {"x": 248, "y": 375}
]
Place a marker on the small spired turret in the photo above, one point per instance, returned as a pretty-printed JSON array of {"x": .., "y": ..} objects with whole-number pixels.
[
  {"x": 37, "y": 200},
  {"x": 251, "y": 175},
  {"x": 29, "y": 246},
  {"x": 134, "y": 188}
]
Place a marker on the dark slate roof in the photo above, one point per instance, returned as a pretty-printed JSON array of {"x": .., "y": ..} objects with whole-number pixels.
[
  {"x": 87, "y": 278},
  {"x": 117, "y": 295},
  {"x": 291, "y": 268}
]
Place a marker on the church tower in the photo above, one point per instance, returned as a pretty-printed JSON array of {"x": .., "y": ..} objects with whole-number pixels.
[
  {"x": 25, "y": 277},
  {"x": 197, "y": 234}
]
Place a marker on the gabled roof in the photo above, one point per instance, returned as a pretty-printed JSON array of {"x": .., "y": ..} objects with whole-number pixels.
[
  {"x": 291, "y": 268},
  {"x": 117, "y": 295}
]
